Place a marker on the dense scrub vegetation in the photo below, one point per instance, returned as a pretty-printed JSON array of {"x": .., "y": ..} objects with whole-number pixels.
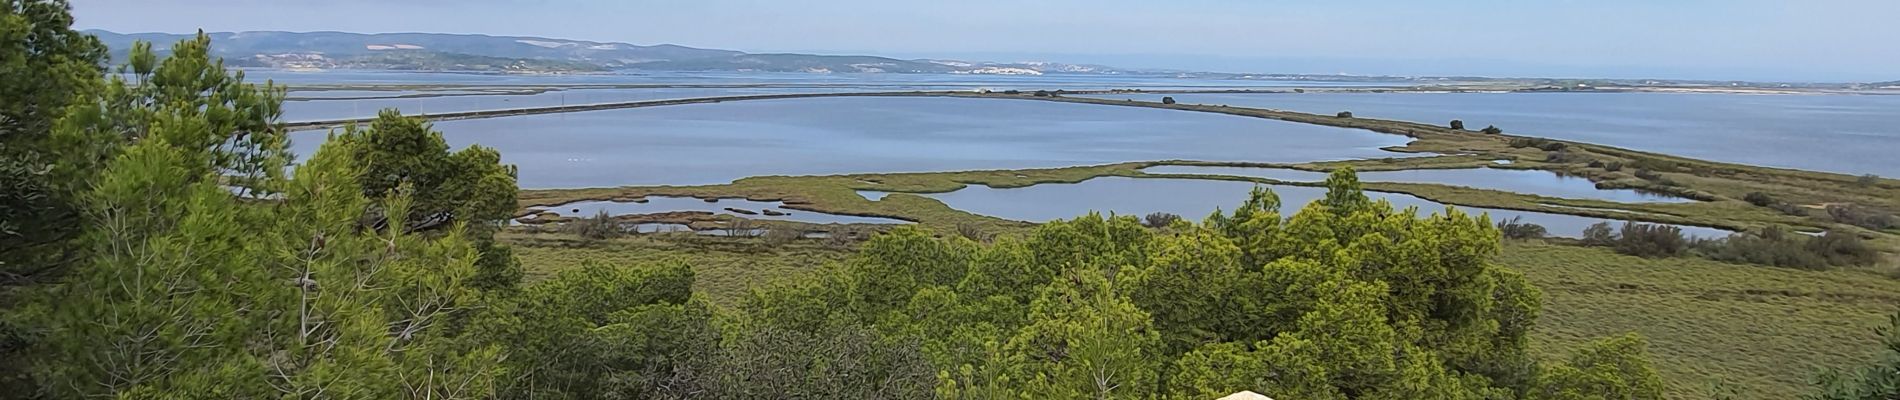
[{"x": 1773, "y": 246}]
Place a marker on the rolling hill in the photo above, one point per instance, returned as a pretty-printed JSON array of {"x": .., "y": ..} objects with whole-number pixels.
[{"x": 437, "y": 51}]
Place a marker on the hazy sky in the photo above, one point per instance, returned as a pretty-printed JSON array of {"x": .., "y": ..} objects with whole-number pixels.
[{"x": 1820, "y": 40}]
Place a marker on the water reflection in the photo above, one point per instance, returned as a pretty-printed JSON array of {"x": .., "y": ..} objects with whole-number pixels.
[
  {"x": 1195, "y": 198},
  {"x": 1537, "y": 182}
]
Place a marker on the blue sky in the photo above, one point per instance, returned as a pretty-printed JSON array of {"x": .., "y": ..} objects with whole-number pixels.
[{"x": 1808, "y": 40}]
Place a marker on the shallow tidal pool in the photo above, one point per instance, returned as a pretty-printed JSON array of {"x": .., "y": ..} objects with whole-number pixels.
[
  {"x": 1195, "y": 199},
  {"x": 1536, "y": 182}
]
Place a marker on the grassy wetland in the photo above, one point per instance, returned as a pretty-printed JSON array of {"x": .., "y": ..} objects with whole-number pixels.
[{"x": 1734, "y": 327}]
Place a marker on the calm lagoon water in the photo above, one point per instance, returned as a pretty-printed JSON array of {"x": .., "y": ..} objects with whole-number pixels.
[
  {"x": 1854, "y": 134},
  {"x": 657, "y": 204},
  {"x": 319, "y": 109},
  {"x": 718, "y": 143},
  {"x": 1000, "y": 82},
  {"x": 1542, "y": 183},
  {"x": 1195, "y": 199}
]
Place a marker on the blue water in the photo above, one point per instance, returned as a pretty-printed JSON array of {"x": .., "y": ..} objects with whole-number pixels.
[
  {"x": 1195, "y": 199},
  {"x": 718, "y": 143},
  {"x": 657, "y": 204},
  {"x": 316, "y": 109},
  {"x": 1853, "y": 134},
  {"x": 1000, "y": 82},
  {"x": 1537, "y": 182}
]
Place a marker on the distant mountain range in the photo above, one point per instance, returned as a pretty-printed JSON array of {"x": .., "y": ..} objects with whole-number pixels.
[
  {"x": 483, "y": 53},
  {"x": 453, "y": 52}
]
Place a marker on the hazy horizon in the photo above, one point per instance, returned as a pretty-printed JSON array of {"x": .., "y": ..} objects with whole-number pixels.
[{"x": 1822, "y": 41}]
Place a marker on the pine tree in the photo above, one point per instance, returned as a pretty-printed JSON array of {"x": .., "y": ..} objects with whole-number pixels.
[{"x": 209, "y": 272}]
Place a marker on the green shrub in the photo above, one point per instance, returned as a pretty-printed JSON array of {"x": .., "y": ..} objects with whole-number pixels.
[
  {"x": 974, "y": 232},
  {"x": 1458, "y": 124},
  {"x": 601, "y": 226},
  {"x": 1868, "y": 180},
  {"x": 1516, "y": 228},
  {"x": 1637, "y": 239},
  {"x": 1613, "y": 166},
  {"x": 1862, "y": 216},
  {"x": 1562, "y": 156},
  {"x": 1650, "y": 240},
  {"x": 1776, "y": 246},
  {"x": 1599, "y": 234},
  {"x": 1843, "y": 248},
  {"x": 1344, "y": 114},
  {"x": 1539, "y": 143},
  {"x": 1492, "y": 130},
  {"x": 1759, "y": 199},
  {"x": 1167, "y": 100},
  {"x": 1159, "y": 220}
]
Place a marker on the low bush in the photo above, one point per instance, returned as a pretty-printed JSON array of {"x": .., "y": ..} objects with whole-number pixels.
[
  {"x": 601, "y": 226},
  {"x": 1759, "y": 199},
  {"x": 1862, "y": 216},
  {"x": 744, "y": 228},
  {"x": 1843, "y": 248},
  {"x": 1167, "y": 100},
  {"x": 1159, "y": 220},
  {"x": 1776, "y": 246},
  {"x": 1458, "y": 124},
  {"x": 1637, "y": 239},
  {"x": 1868, "y": 180},
  {"x": 1563, "y": 156},
  {"x": 1492, "y": 130},
  {"x": 1344, "y": 114},
  {"x": 974, "y": 232},
  {"x": 1539, "y": 143},
  {"x": 1648, "y": 175},
  {"x": 1613, "y": 166},
  {"x": 1516, "y": 228},
  {"x": 1650, "y": 240},
  {"x": 1655, "y": 165},
  {"x": 1599, "y": 234}
]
